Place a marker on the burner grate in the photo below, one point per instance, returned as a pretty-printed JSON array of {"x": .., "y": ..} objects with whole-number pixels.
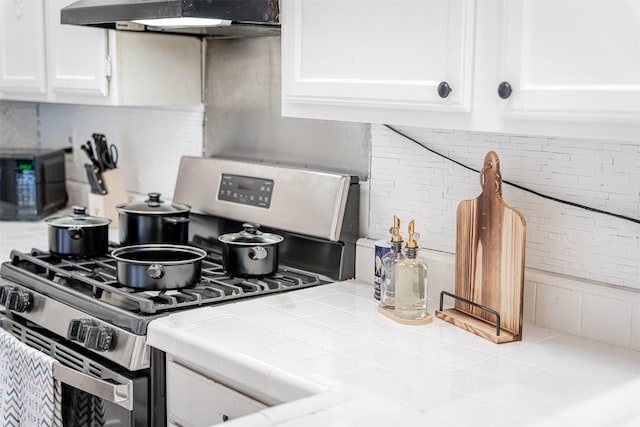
[{"x": 90, "y": 282}]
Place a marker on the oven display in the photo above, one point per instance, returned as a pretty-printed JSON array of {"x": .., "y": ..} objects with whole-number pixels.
[{"x": 246, "y": 190}]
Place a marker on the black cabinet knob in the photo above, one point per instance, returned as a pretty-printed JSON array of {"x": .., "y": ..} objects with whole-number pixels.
[
  {"x": 444, "y": 89},
  {"x": 504, "y": 90}
]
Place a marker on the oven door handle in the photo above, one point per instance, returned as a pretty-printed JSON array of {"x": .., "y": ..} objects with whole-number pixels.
[{"x": 118, "y": 393}]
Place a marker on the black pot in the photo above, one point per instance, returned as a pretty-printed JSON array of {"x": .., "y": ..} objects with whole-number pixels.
[
  {"x": 158, "y": 266},
  {"x": 250, "y": 253},
  {"x": 78, "y": 234},
  {"x": 153, "y": 221}
]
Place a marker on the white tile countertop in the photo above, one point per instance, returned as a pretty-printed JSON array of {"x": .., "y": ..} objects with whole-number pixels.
[
  {"x": 23, "y": 236},
  {"x": 361, "y": 369}
]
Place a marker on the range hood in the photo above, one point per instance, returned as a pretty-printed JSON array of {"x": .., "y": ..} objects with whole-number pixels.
[{"x": 228, "y": 18}]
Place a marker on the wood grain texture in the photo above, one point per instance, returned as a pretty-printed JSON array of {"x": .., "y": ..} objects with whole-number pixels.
[
  {"x": 490, "y": 247},
  {"x": 476, "y": 326}
]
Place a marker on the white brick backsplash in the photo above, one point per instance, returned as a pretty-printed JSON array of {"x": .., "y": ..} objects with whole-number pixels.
[
  {"x": 413, "y": 183},
  {"x": 19, "y": 124},
  {"x": 635, "y": 327}
]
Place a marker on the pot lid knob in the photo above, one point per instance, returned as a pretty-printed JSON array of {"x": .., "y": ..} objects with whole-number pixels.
[
  {"x": 79, "y": 210},
  {"x": 154, "y": 199},
  {"x": 251, "y": 228}
]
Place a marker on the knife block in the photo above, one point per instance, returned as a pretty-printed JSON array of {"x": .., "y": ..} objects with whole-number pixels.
[{"x": 104, "y": 205}]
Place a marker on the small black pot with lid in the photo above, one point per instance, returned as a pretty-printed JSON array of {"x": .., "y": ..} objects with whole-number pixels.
[
  {"x": 78, "y": 234},
  {"x": 153, "y": 221},
  {"x": 250, "y": 253}
]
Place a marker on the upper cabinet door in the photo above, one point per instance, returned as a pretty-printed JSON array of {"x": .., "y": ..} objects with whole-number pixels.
[
  {"x": 397, "y": 54},
  {"x": 77, "y": 56},
  {"x": 22, "y": 44},
  {"x": 572, "y": 59}
]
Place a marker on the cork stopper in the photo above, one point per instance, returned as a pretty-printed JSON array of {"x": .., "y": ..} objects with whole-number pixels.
[
  {"x": 413, "y": 237},
  {"x": 395, "y": 230}
]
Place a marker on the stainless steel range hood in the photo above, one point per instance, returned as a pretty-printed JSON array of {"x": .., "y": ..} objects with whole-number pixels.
[{"x": 201, "y": 17}]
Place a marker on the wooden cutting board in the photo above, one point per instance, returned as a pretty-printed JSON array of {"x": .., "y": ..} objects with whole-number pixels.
[{"x": 490, "y": 245}]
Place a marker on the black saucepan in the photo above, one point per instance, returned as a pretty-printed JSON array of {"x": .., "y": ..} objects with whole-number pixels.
[
  {"x": 78, "y": 234},
  {"x": 153, "y": 221},
  {"x": 157, "y": 266},
  {"x": 250, "y": 253}
]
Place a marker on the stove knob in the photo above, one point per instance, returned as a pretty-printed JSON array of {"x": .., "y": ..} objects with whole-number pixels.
[
  {"x": 99, "y": 338},
  {"x": 19, "y": 300},
  {"x": 78, "y": 328},
  {"x": 4, "y": 294}
]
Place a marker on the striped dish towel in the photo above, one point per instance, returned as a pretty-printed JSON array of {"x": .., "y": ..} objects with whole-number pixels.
[
  {"x": 29, "y": 395},
  {"x": 80, "y": 409}
]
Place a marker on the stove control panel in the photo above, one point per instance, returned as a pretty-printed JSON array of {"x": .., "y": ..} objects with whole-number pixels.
[
  {"x": 246, "y": 190},
  {"x": 92, "y": 335},
  {"x": 16, "y": 299}
]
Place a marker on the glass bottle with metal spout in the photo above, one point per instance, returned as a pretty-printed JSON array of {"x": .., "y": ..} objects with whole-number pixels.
[
  {"x": 411, "y": 281},
  {"x": 388, "y": 295}
]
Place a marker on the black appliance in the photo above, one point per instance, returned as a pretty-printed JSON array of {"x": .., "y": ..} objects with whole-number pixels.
[
  {"x": 32, "y": 183},
  {"x": 76, "y": 311}
]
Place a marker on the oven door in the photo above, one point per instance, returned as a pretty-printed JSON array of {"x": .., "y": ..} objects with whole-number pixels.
[{"x": 113, "y": 395}]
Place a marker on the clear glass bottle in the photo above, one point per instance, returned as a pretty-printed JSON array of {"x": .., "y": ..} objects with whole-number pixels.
[
  {"x": 387, "y": 285},
  {"x": 411, "y": 281}
]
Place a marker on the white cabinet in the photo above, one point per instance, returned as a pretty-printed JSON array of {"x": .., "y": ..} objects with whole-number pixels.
[
  {"x": 43, "y": 60},
  {"x": 411, "y": 54},
  {"x": 566, "y": 58},
  {"x": 573, "y": 66},
  {"x": 194, "y": 400},
  {"x": 22, "y": 54},
  {"x": 78, "y": 57}
]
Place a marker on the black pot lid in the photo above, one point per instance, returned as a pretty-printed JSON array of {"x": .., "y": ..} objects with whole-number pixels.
[
  {"x": 251, "y": 236},
  {"x": 153, "y": 205},
  {"x": 78, "y": 218}
]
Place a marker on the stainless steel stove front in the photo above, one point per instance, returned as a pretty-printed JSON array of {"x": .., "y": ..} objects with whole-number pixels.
[{"x": 121, "y": 397}]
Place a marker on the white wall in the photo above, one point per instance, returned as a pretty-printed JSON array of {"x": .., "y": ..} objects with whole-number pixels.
[
  {"x": 19, "y": 124},
  {"x": 150, "y": 140},
  {"x": 409, "y": 181}
]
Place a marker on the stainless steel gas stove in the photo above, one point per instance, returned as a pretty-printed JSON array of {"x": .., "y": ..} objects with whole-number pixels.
[{"x": 76, "y": 311}]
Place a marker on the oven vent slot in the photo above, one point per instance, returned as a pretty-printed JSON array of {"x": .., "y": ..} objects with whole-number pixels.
[{"x": 36, "y": 341}]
